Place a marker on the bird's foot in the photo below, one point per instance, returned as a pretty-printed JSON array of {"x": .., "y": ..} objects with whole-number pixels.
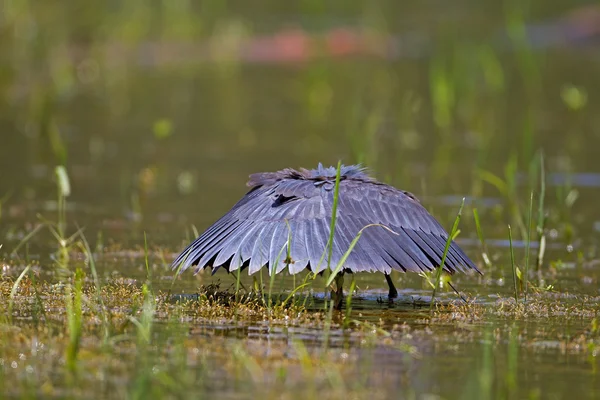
[{"x": 387, "y": 300}]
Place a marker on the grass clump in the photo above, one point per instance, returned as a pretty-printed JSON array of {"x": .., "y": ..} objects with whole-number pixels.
[{"x": 543, "y": 305}]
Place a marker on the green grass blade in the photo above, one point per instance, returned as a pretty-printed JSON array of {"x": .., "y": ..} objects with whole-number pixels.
[
  {"x": 296, "y": 289},
  {"x": 273, "y": 270},
  {"x": 329, "y": 247},
  {"x": 73, "y": 300},
  {"x": 484, "y": 254},
  {"x": 13, "y": 292},
  {"x": 336, "y": 193},
  {"x": 237, "y": 285},
  {"x": 349, "y": 302},
  {"x": 528, "y": 245},
  {"x": 440, "y": 268},
  {"x": 512, "y": 263},
  {"x": 494, "y": 180},
  {"x": 103, "y": 311},
  {"x": 27, "y": 237},
  {"x": 342, "y": 261},
  {"x": 148, "y": 270},
  {"x": 541, "y": 221}
]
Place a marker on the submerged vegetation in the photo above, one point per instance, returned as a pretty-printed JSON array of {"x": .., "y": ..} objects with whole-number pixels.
[{"x": 215, "y": 342}]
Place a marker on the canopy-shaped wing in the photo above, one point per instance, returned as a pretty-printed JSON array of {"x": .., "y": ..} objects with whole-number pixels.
[
  {"x": 257, "y": 230},
  {"x": 284, "y": 221},
  {"x": 418, "y": 240}
]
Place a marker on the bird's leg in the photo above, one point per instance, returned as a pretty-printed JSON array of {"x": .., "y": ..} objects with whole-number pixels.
[
  {"x": 337, "y": 296},
  {"x": 393, "y": 292}
]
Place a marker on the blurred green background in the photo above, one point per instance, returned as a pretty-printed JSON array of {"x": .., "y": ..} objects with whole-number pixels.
[{"x": 161, "y": 109}]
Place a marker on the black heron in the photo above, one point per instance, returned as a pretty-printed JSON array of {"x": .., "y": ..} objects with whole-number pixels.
[{"x": 294, "y": 207}]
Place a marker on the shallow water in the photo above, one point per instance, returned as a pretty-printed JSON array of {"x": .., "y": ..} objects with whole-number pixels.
[{"x": 159, "y": 129}]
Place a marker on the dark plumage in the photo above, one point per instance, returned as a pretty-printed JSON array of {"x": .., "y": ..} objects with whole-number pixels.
[{"x": 298, "y": 205}]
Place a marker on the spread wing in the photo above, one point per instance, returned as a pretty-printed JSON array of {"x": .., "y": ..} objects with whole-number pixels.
[
  {"x": 284, "y": 222},
  {"x": 418, "y": 240},
  {"x": 257, "y": 230}
]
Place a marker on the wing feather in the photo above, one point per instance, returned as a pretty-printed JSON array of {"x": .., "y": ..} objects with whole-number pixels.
[
  {"x": 314, "y": 246},
  {"x": 277, "y": 249},
  {"x": 238, "y": 259},
  {"x": 298, "y": 252},
  {"x": 254, "y": 232},
  {"x": 211, "y": 248},
  {"x": 230, "y": 246},
  {"x": 343, "y": 237},
  {"x": 366, "y": 250},
  {"x": 183, "y": 260},
  {"x": 451, "y": 257},
  {"x": 259, "y": 255},
  {"x": 407, "y": 257},
  {"x": 206, "y": 242}
]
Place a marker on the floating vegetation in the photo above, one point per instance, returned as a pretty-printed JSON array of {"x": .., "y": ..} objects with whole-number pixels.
[{"x": 219, "y": 337}]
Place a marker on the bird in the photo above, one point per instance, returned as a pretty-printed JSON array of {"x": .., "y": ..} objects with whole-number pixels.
[{"x": 284, "y": 222}]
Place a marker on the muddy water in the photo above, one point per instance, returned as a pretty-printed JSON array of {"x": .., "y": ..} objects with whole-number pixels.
[{"x": 157, "y": 142}]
